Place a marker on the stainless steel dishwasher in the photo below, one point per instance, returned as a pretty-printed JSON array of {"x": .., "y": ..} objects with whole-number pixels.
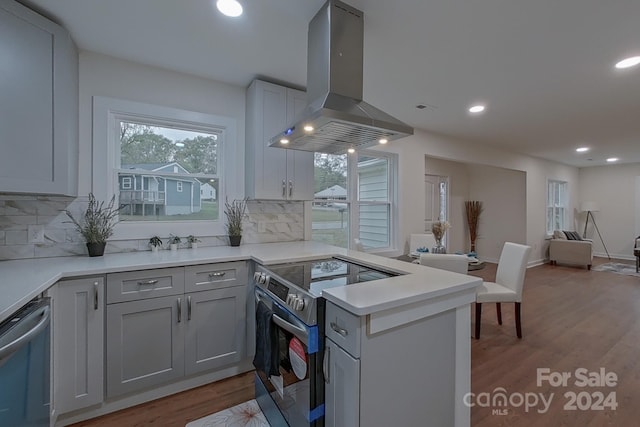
[{"x": 25, "y": 366}]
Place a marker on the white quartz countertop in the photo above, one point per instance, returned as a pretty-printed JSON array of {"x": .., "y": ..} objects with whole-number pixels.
[{"x": 22, "y": 280}]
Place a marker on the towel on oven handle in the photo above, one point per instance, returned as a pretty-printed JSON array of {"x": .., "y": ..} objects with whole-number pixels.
[{"x": 267, "y": 357}]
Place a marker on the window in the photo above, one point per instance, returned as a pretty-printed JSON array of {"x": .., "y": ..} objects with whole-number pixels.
[
  {"x": 354, "y": 199},
  {"x": 126, "y": 183},
  {"x": 166, "y": 167},
  {"x": 557, "y": 202}
]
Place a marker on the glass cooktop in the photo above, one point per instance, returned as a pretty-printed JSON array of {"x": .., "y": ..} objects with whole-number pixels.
[{"x": 314, "y": 276}]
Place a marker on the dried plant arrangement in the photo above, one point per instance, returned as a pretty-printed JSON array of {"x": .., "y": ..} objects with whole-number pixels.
[{"x": 474, "y": 209}]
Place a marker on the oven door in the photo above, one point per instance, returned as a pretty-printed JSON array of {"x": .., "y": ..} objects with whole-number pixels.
[{"x": 297, "y": 395}]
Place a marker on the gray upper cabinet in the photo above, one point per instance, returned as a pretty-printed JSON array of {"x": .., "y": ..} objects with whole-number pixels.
[
  {"x": 275, "y": 173},
  {"x": 39, "y": 108}
]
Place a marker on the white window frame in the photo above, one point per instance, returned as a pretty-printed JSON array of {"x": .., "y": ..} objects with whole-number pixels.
[
  {"x": 353, "y": 200},
  {"x": 179, "y": 186},
  {"x": 127, "y": 183},
  {"x": 553, "y": 186},
  {"x": 107, "y": 114}
]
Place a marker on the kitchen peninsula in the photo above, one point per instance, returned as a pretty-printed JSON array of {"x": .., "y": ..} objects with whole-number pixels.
[{"x": 413, "y": 329}]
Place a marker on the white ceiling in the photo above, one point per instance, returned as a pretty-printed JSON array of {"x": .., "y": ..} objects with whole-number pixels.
[{"x": 544, "y": 68}]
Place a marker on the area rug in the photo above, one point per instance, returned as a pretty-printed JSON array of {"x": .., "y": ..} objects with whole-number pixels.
[
  {"x": 618, "y": 267},
  {"x": 247, "y": 414}
]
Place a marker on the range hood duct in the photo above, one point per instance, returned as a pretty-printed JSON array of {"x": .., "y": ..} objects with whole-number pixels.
[{"x": 339, "y": 117}]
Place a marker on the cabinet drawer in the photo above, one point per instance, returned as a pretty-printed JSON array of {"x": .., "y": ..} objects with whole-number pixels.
[
  {"x": 343, "y": 328},
  {"x": 135, "y": 285},
  {"x": 215, "y": 276}
]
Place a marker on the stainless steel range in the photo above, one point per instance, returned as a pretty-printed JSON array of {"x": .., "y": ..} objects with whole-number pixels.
[{"x": 291, "y": 294}]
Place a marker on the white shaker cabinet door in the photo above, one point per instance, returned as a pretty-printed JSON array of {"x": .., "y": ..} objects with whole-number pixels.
[
  {"x": 39, "y": 108},
  {"x": 78, "y": 352},
  {"x": 342, "y": 387}
]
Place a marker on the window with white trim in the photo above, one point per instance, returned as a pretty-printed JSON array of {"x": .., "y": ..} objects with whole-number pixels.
[
  {"x": 157, "y": 161},
  {"x": 354, "y": 199},
  {"x": 557, "y": 201},
  {"x": 126, "y": 183}
]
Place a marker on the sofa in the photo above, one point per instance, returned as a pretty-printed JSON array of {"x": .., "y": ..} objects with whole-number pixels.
[{"x": 566, "y": 250}]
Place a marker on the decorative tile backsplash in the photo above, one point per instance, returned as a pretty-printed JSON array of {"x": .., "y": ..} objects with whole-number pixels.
[{"x": 23, "y": 217}]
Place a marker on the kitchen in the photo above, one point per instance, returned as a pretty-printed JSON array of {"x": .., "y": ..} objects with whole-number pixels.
[
  {"x": 103, "y": 84},
  {"x": 125, "y": 78}
]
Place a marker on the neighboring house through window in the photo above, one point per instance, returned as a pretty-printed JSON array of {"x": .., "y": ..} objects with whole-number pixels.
[
  {"x": 354, "y": 198},
  {"x": 557, "y": 202},
  {"x": 164, "y": 160}
]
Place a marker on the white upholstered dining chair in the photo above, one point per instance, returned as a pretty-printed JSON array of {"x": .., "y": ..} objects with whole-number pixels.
[
  {"x": 508, "y": 286},
  {"x": 450, "y": 262}
]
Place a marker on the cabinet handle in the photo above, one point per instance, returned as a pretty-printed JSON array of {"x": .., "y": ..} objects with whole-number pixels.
[
  {"x": 325, "y": 364},
  {"x": 147, "y": 282},
  {"x": 339, "y": 330},
  {"x": 179, "y": 310},
  {"x": 189, "y": 307},
  {"x": 95, "y": 295},
  {"x": 290, "y": 188},
  {"x": 284, "y": 188},
  {"x": 217, "y": 274}
]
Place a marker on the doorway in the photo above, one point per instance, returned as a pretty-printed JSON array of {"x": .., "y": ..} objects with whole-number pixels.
[{"x": 436, "y": 201}]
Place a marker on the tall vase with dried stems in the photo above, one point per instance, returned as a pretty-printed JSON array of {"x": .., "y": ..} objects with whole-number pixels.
[{"x": 474, "y": 209}]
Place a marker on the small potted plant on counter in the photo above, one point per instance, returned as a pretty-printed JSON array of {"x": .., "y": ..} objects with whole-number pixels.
[
  {"x": 235, "y": 212},
  {"x": 174, "y": 241},
  {"x": 156, "y": 243},
  {"x": 97, "y": 223},
  {"x": 193, "y": 241}
]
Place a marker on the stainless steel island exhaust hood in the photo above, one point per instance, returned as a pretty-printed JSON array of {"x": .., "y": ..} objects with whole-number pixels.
[{"x": 336, "y": 118}]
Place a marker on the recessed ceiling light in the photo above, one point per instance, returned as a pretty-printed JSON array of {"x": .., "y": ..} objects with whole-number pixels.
[
  {"x": 477, "y": 109},
  {"x": 582, "y": 149},
  {"x": 383, "y": 140},
  {"x": 612, "y": 159},
  {"x": 284, "y": 141},
  {"x": 308, "y": 128},
  {"x": 351, "y": 150},
  {"x": 230, "y": 8},
  {"x": 629, "y": 62}
]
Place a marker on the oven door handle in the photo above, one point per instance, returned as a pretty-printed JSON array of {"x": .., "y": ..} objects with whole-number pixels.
[{"x": 299, "y": 332}]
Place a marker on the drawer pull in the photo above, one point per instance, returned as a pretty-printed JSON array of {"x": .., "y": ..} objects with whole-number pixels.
[
  {"x": 147, "y": 282},
  {"x": 339, "y": 330},
  {"x": 217, "y": 274}
]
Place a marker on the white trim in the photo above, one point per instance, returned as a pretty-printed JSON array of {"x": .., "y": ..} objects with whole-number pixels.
[{"x": 107, "y": 112}]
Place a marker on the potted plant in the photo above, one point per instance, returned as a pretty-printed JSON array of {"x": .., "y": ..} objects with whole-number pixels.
[
  {"x": 96, "y": 225},
  {"x": 193, "y": 241},
  {"x": 155, "y": 242},
  {"x": 174, "y": 241},
  {"x": 235, "y": 212}
]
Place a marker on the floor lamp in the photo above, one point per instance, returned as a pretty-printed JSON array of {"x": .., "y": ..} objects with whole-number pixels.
[{"x": 589, "y": 208}]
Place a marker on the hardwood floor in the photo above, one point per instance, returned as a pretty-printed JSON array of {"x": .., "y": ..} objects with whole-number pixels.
[{"x": 571, "y": 318}]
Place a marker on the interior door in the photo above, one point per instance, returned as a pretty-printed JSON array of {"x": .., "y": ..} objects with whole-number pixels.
[{"x": 432, "y": 208}]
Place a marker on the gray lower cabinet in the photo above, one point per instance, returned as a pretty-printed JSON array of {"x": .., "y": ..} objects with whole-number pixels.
[
  {"x": 400, "y": 375},
  {"x": 78, "y": 344},
  {"x": 158, "y": 333},
  {"x": 145, "y": 344},
  {"x": 215, "y": 332},
  {"x": 342, "y": 387}
]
